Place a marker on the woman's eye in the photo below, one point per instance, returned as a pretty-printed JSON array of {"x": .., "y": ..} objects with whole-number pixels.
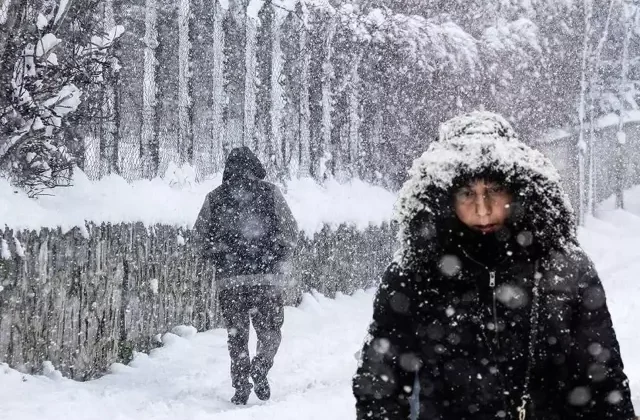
[{"x": 465, "y": 194}]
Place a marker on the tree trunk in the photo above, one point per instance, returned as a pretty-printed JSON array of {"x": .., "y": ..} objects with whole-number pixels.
[
  {"x": 130, "y": 93},
  {"x": 8, "y": 9},
  {"x": 168, "y": 84},
  {"x": 202, "y": 19},
  {"x": 582, "y": 146},
  {"x": 234, "y": 53},
  {"x": 10, "y": 35},
  {"x": 621, "y": 137},
  {"x": 217, "y": 151},
  {"x": 593, "y": 83},
  {"x": 305, "y": 136},
  {"x": 109, "y": 139},
  {"x": 276, "y": 91},
  {"x": 7, "y": 28},
  {"x": 327, "y": 79},
  {"x": 185, "y": 137},
  {"x": 263, "y": 98},
  {"x": 354, "y": 123},
  {"x": 376, "y": 142},
  {"x": 248, "y": 138},
  {"x": 148, "y": 139}
]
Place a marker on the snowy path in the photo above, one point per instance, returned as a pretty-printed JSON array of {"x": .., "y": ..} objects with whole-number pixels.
[{"x": 188, "y": 377}]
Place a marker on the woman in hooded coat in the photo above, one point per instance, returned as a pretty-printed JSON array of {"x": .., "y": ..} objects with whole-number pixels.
[{"x": 490, "y": 301}]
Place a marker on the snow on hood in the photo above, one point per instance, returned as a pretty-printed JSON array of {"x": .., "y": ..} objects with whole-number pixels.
[
  {"x": 242, "y": 162},
  {"x": 470, "y": 145}
]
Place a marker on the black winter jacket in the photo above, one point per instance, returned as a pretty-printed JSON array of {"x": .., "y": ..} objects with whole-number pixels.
[
  {"x": 460, "y": 316},
  {"x": 245, "y": 226},
  {"x": 471, "y": 350}
]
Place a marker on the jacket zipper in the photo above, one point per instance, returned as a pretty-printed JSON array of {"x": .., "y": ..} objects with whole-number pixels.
[{"x": 492, "y": 285}]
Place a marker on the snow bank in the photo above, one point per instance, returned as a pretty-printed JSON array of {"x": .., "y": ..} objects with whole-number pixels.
[
  {"x": 176, "y": 199},
  {"x": 631, "y": 201}
]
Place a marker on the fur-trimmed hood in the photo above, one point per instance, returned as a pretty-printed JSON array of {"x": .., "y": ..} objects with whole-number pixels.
[{"x": 468, "y": 146}]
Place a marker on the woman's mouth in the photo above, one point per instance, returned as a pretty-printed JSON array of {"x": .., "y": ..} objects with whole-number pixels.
[{"x": 487, "y": 228}]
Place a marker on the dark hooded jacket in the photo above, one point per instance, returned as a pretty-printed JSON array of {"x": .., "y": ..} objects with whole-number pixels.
[
  {"x": 457, "y": 308},
  {"x": 245, "y": 226}
]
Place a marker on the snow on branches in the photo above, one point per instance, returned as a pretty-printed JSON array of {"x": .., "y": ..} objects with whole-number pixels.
[{"x": 47, "y": 65}]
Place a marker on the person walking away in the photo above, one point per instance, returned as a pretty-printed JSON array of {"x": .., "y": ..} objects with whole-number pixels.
[
  {"x": 490, "y": 299},
  {"x": 247, "y": 231}
]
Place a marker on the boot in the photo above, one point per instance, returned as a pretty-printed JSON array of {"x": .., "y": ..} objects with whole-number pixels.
[
  {"x": 242, "y": 395},
  {"x": 262, "y": 389}
]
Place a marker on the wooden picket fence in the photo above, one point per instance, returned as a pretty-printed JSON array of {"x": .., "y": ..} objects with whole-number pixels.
[{"x": 90, "y": 296}]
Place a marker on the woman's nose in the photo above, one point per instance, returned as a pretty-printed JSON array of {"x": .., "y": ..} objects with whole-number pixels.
[{"x": 483, "y": 207}]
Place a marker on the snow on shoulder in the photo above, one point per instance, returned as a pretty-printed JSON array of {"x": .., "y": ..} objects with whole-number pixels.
[{"x": 477, "y": 143}]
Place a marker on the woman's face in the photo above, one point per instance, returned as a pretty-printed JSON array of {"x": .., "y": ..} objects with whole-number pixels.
[{"x": 483, "y": 205}]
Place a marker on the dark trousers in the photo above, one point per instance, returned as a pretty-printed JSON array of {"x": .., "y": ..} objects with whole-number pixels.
[{"x": 263, "y": 306}]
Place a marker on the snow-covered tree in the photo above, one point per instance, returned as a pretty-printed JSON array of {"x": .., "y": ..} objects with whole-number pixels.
[
  {"x": 48, "y": 60},
  {"x": 350, "y": 89}
]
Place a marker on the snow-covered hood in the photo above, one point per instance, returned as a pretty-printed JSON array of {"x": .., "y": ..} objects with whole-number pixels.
[
  {"x": 242, "y": 162},
  {"x": 472, "y": 144}
]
